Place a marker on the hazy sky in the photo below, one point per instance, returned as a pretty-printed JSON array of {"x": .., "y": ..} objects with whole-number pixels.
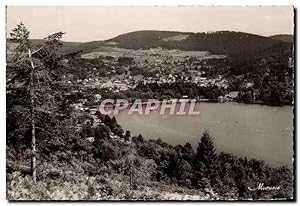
[{"x": 100, "y": 23}]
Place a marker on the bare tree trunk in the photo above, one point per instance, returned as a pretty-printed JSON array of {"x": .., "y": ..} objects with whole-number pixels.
[
  {"x": 33, "y": 146},
  {"x": 33, "y": 142},
  {"x": 130, "y": 184}
]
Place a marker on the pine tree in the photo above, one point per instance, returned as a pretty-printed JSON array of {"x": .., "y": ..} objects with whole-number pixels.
[
  {"x": 206, "y": 157},
  {"x": 206, "y": 152},
  {"x": 33, "y": 84},
  {"x": 138, "y": 169}
]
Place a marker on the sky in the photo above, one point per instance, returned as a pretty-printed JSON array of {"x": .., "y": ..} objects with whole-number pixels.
[{"x": 104, "y": 22}]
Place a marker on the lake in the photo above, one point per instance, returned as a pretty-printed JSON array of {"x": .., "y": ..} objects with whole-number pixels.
[{"x": 255, "y": 131}]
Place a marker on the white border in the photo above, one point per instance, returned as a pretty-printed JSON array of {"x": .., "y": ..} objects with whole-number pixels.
[
  {"x": 151, "y": 2},
  {"x": 3, "y": 3}
]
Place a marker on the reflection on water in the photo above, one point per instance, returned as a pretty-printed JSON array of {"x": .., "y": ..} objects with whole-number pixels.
[{"x": 255, "y": 131}]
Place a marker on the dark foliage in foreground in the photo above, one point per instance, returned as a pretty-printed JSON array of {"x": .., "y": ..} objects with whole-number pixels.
[{"x": 143, "y": 162}]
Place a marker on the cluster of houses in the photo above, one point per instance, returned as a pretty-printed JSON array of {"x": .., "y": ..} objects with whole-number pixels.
[
  {"x": 167, "y": 68},
  {"x": 122, "y": 83},
  {"x": 164, "y": 66}
]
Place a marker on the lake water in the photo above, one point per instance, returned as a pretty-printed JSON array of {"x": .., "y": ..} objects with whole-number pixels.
[{"x": 255, "y": 131}]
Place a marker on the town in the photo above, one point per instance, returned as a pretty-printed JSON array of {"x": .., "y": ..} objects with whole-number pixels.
[{"x": 158, "y": 73}]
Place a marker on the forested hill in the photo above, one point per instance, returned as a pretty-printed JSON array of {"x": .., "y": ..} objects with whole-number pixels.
[
  {"x": 283, "y": 37},
  {"x": 222, "y": 42},
  {"x": 236, "y": 45}
]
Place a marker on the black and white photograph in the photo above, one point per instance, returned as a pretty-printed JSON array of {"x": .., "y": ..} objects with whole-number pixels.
[{"x": 150, "y": 103}]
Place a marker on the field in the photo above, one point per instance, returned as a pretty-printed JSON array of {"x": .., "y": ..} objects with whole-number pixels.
[{"x": 151, "y": 55}]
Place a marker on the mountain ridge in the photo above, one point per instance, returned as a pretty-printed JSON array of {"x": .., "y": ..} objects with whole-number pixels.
[
  {"x": 283, "y": 37},
  {"x": 238, "y": 46},
  {"x": 234, "y": 44}
]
